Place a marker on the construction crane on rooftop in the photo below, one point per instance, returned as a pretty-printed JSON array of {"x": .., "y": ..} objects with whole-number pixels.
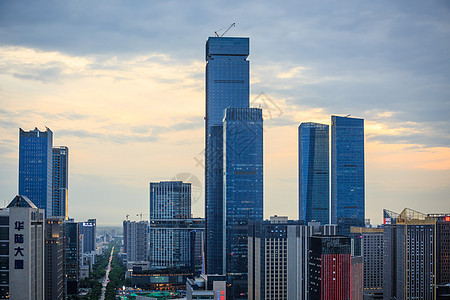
[{"x": 217, "y": 35}]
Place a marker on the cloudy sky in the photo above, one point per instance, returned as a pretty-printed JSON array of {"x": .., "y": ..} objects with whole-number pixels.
[{"x": 121, "y": 83}]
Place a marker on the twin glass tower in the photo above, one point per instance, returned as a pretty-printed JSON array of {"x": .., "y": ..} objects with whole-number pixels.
[
  {"x": 233, "y": 156},
  {"x": 43, "y": 171},
  {"x": 347, "y": 173}
]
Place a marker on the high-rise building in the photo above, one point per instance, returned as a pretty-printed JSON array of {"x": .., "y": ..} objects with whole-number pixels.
[
  {"x": 329, "y": 267},
  {"x": 278, "y": 257},
  {"x": 137, "y": 240},
  {"x": 35, "y": 167},
  {"x": 442, "y": 255},
  {"x": 347, "y": 173},
  {"x": 243, "y": 181},
  {"x": 73, "y": 252},
  {"x": 227, "y": 85},
  {"x": 369, "y": 242},
  {"x": 4, "y": 253},
  {"x": 26, "y": 249},
  {"x": 409, "y": 255},
  {"x": 54, "y": 259},
  {"x": 173, "y": 233},
  {"x": 88, "y": 234},
  {"x": 314, "y": 176},
  {"x": 356, "y": 278},
  {"x": 60, "y": 179},
  {"x": 170, "y": 200}
]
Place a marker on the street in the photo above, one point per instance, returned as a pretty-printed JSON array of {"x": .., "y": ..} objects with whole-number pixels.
[{"x": 105, "y": 281}]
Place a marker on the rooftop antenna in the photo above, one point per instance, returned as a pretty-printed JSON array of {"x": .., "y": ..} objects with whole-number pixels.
[{"x": 217, "y": 35}]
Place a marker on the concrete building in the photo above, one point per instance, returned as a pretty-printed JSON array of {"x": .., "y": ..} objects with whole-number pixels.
[
  {"x": 442, "y": 255},
  {"x": 88, "y": 232},
  {"x": 211, "y": 287},
  {"x": 356, "y": 278},
  {"x": 368, "y": 242},
  {"x": 278, "y": 255},
  {"x": 137, "y": 240},
  {"x": 54, "y": 259},
  {"x": 175, "y": 238},
  {"x": 410, "y": 259},
  {"x": 4, "y": 253},
  {"x": 60, "y": 181},
  {"x": 26, "y": 250}
]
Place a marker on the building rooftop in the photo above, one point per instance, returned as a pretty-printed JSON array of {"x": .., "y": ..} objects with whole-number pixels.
[{"x": 21, "y": 201}]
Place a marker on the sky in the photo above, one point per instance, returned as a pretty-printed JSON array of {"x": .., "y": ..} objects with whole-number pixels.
[{"x": 121, "y": 83}]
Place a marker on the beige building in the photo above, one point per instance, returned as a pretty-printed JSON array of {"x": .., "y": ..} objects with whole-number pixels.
[{"x": 26, "y": 250}]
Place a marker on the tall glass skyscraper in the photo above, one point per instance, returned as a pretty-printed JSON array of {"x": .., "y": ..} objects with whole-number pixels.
[
  {"x": 35, "y": 167},
  {"x": 243, "y": 181},
  {"x": 60, "y": 181},
  {"x": 227, "y": 85},
  {"x": 313, "y": 159},
  {"x": 347, "y": 173}
]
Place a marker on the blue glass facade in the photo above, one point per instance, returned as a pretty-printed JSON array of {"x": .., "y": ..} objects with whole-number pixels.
[
  {"x": 60, "y": 181},
  {"x": 35, "y": 167},
  {"x": 347, "y": 173},
  {"x": 227, "y": 85},
  {"x": 313, "y": 157},
  {"x": 243, "y": 181}
]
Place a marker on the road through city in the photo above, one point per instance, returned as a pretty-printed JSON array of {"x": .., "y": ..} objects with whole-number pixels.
[{"x": 105, "y": 281}]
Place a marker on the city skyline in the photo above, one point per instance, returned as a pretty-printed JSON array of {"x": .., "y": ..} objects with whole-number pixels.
[{"x": 131, "y": 115}]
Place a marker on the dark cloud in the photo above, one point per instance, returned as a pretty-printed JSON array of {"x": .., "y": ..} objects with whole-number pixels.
[
  {"x": 44, "y": 74},
  {"x": 358, "y": 56}
]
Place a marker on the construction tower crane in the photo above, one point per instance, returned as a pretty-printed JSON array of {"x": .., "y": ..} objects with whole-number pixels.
[{"x": 232, "y": 25}]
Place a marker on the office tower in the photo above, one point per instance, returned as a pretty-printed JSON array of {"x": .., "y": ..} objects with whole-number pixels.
[
  {"x": 278, "y": 257},
  {"x": 227, "y": 85},
  {"x": 410, "y": 250},
  {"x": 172, "y": 237},
  {"x": 243, "y": 181},
  {"x": 389, "y": 253},
  {"x": 369, "y": 241},
  {"x": 60, "y": 158},
  {"x": 329, "y": 267},
  {"x": 347, "y": 173},
  {"x": 356, "y": 278},
  {"x": 88, "y": 233},
  {"x": 35, "y": 167},
  {"x": 125, "y": 240},
  {"x": 54, "y": 258},
  {"x": 72, "y": 254},
  {"x": 197, "y": 239},
  {"x": 313, "y": 159},
  {"x": 137, "y": 240},
  {"x": 442, "y": 255},
  {"x": 4, "y": 253},
  {"x": 26, "y": 249},
  {"x": 170, "y": 200}
]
